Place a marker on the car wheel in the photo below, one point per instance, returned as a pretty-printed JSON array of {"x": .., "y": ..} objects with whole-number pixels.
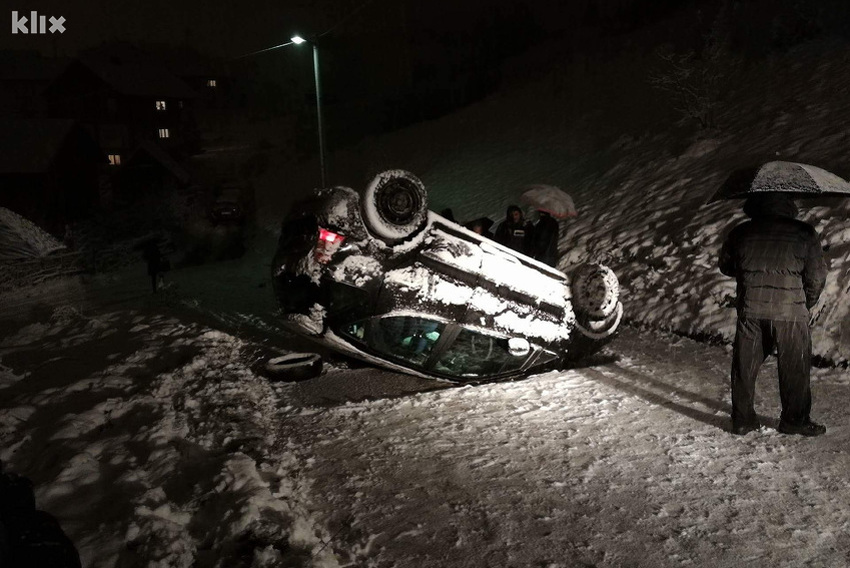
[
  {"x": 395, "y": 206},
  {"x": 595, "y": 290},
  {"x": 293, "y": 367}
]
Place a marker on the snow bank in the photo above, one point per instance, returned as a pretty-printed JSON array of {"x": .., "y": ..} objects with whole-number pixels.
[
  {"x": 153, "y": 441},
  {"x": 20, "y": 238}
]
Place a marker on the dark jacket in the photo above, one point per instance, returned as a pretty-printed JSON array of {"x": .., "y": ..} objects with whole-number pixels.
[
  {"x": 153, "y": 258},
  {"x": 544, "y": 240},
  {"x": 777, "y": 261},
  {"x": 514, "y": 235},
  {"x": 481, "y": 226}
]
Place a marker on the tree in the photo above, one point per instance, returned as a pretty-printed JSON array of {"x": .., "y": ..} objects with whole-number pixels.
[{"x": 696, "y": 78}]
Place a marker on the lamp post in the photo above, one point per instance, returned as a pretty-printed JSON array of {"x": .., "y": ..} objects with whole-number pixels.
[{"x": 297, "y": 40}]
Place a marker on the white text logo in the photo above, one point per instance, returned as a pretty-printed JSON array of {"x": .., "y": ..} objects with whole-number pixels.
[{"x": 37, "y": 24}]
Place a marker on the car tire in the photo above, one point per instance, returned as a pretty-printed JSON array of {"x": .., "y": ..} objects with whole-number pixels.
[
  {"x": 595, "y": 290},
  {"x": 293, "y": 367},
  {"x": 395, "y": 206}
]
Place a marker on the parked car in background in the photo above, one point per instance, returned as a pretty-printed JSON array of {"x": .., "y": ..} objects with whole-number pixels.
[
  {"x": 226, "y": 212},
  {"x": 379, "y": 277},
  {"x": 231, "y": 205}
]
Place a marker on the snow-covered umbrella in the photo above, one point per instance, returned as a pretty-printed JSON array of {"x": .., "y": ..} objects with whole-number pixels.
[
  {"x": 798, "y": 180},
  {"x": 550, "y": 199}
]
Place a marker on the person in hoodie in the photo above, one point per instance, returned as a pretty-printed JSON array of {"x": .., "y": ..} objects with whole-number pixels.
[
  {"x": 514, "y": 232},
  {"x": 778, "y": 263}
]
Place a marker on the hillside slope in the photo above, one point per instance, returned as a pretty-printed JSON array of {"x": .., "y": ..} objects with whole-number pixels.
[{"x": 639, "y": 173}]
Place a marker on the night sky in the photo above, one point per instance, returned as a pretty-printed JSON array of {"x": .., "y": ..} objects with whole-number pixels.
[
  {"x": 227, "y": 28},
  {"x": 392, "y": 61},
  {"x": 219, "y": 27}
]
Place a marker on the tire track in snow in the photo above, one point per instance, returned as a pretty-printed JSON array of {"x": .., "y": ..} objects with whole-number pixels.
[
  {"x": 659, "y": 393},
  {"x": 624, "y": 463}
]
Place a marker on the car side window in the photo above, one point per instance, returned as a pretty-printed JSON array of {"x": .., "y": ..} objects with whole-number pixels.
[
  {"x": 400, "y": 337},
  {"x": 476, "y": 354}
]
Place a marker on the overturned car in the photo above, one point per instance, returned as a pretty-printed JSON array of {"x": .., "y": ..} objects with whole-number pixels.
[{"x": 379, "y": 277}]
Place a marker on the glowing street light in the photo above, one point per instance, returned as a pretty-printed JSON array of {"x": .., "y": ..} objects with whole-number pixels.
[{"x": 298, "y": 40}]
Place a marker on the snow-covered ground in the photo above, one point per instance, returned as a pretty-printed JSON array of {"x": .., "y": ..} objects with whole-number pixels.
[
  {"x": 20, "y": 238},
  {"x": 155, "y": 442},
  {"x": 150, "y": 435}
]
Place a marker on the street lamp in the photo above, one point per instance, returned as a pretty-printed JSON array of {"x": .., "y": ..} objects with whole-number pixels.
[{"x": 297, "y": 40}]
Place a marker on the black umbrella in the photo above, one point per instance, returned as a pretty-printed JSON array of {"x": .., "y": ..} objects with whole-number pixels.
[{"x": 797, "y": 180}]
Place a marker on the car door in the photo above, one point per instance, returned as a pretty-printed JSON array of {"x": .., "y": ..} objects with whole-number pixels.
[
  {"x": 516, "y": 299},
  {"x": 440, "y": 278}
]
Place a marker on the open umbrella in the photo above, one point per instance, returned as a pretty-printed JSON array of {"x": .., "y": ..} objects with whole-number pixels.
[
  {"x": 550, "y": 199},
  {"x": 798, "y": 180}
]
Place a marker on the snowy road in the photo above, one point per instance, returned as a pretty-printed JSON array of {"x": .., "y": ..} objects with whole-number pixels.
[
  {"x": 153, "y": 440},
  {"x": 623, "y": 463}
]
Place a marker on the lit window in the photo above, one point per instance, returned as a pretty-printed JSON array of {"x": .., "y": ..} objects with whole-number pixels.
[
  {"x": 210, "y": 82},
  {"x": 163, "y": 133},
  {"x": 160, "y": 105},
  {"x": 114, "y": 159}
]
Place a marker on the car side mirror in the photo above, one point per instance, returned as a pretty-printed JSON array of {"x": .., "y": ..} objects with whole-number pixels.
[{"x": 518, "y": 347}]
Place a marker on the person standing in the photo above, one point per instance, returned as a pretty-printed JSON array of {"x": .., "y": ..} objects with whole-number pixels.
[
  {"x": 780, "y": 271},
  {"x": 153, "y": 258},
  {"x": 544, "y": 239},
  {"x": 481, "y": 226},
  {"x": 514, "y": 232}
]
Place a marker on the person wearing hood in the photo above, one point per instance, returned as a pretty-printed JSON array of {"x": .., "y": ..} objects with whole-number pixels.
[
  {"x": 780, "y": 271},
  {"x": 514, "y": 232},
  {"x": 481, "y": 226}
]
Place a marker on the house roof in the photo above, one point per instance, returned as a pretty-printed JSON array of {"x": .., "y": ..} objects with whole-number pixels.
[
  {"x": 134, "y": 75},
  {"x": 29, "y": 146},
  {"x": 187, "y": 62},
  {"x": 160, "y": 156}
]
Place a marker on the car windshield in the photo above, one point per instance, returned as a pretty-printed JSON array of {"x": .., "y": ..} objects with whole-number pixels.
[
  {"x": 475, "y": 354},
  {"x": 399, "y": 337}
]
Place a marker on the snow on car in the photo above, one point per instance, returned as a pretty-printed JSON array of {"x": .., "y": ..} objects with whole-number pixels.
[{"x": 379, "y": 277}]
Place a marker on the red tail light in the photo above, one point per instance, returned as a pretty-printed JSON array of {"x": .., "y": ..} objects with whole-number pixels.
[
  {"x": 330, "y": 237},
  {"x": 328, "y": 243}
]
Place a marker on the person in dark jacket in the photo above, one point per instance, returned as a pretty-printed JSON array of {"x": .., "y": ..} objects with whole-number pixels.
[
  {"x": 514, "y": 232},
  {"x": 780, "y": 271},
  {"x": 481, "y": 226},
  {"x": 544, "y": 239},
  {"x": 153, "y": 258}
]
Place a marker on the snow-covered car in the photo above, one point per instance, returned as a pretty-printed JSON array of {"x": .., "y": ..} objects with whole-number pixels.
[{"x": 380, "y": 277}]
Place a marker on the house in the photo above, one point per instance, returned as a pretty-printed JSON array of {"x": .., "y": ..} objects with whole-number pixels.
[
  {"x": 148, "y": 171},
  {"x": 49, "y": 170},
  {"x": 207, "y": 76},
  {"x": 125, "y": 98}
]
